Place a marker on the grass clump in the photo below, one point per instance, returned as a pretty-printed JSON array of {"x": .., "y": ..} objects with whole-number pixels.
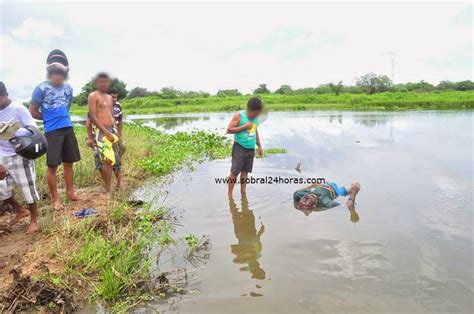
[
  {"x": 269, "y": 151},
  {"x": 112, "y": 258}
]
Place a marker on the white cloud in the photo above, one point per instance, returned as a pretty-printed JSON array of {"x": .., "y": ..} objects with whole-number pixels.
[{"x": 37, "y": 30}]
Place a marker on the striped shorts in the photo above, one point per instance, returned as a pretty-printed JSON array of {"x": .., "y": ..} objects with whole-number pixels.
[{"x": 20, "y": 172}]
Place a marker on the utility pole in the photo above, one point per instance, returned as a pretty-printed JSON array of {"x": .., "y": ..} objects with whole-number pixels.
[{"x": 391, "y": 54}]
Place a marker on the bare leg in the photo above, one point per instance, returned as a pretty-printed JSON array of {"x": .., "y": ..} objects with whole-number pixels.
[
  {"x": 33, "y": 227},
  {"x": 230, "y": 188},
  {"x": 53, "y": 188},
  {"x": 69, "y": 179},
  {"x": 243, "y": 183},
  {"x": 118, "y": 177},
  {"x": 107, "y": 175},
  {"x": 353, "y": 190},
  {"x": 20, "y": 210}
]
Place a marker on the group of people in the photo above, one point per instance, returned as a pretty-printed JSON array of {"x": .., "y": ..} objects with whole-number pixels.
[
  {"x": 50, "y": 103},
  {"x": 244, "y": 125}
]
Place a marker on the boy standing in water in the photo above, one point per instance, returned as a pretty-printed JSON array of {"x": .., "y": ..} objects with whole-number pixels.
[
  {"x": 101, "y": 115},
  {"x": 244, "y": 127},
  {"x": 50, "y": 102},
  {"x": 15, "y": 169}
]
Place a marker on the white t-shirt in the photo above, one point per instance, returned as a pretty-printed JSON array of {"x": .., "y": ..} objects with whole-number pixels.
[{"x": 15, "y": 112}]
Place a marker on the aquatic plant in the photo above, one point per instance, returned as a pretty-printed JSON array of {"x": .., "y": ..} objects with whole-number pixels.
[{"x": 172, "y": 152}]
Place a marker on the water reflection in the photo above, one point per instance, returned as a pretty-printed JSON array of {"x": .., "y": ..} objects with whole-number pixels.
[
  {"x": 353, "y": 215},
  {"x": 169, "y": 123},
  {"x": 249, "y": 247}
]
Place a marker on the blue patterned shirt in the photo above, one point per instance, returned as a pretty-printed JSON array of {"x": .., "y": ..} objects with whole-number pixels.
[{"x": 54, "y": 103}]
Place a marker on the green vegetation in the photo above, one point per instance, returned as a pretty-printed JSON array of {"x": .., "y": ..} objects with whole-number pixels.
[
  {"x": 276, "y": 150},
  {"x": 106, "y": 259},
  {"x": 171, "y": 152},
  {"x": 269, "y": 151},
  {"x": 277, "y": 102}
]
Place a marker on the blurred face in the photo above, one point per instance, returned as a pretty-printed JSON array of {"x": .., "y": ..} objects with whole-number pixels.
[
  {"x": 308, "y": 202},
  {"x": 252, "y": 114},
  {"x": 57, "y": 79},
  {"x": 102, "y": 84},
  {"x": 114, "y": 97}
]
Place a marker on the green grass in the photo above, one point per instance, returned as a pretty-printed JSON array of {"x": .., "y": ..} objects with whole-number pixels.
[
  {"x": 109, "y": 253},
  {"x": 274, "y": 102},
  {"x": 112, "y": 257}
]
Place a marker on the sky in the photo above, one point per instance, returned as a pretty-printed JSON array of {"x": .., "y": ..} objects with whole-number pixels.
[{"x": 210, "y": 46}]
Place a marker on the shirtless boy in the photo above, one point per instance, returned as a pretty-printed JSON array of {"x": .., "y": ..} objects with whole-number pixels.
[
  {"x": 101, "y": 115},
  {"x": 118, "y": 117}
]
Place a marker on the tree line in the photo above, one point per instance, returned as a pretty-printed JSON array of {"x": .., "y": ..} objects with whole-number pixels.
[{"x": 369, "y": 83}]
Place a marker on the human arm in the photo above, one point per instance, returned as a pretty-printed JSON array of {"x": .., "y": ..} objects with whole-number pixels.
[
  {"x": 69, "y": 99},
  {"x": 353, "y": 190},
  {"x": 234, "y": 127},
  {"x": 119, "y": 129},
  {"x": 3, "y": 172},
  {"x": 259, "y": 146},
  {"x": 35, "y": 104},
  {"x": 90, "y": 134},
  {"x": 92, "y": 103},
  {"x": 25, "y": 119}
]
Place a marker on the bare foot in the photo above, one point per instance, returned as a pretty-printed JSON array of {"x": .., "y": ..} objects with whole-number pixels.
[
  {"x": 354, "y": 216},
  {"x": 73, "y": 197},
  {"x": 32, "y": 228},
  {"x": 57, "y": 205},
  {"x": 19, "y": 215}
]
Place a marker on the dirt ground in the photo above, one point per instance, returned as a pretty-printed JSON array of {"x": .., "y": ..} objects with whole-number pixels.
[{"x": 24, "y": 256}]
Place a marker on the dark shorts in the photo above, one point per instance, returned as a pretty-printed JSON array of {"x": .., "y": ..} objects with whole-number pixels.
[
  {"x": 242, "y": 159},
  {"x": 62, "y": 147}
]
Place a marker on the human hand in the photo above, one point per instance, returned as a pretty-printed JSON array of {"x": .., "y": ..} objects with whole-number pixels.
[
  {"x": 3, "y": 172},
  {"x": 248, "y": 126},
  {"x": 91, "y": 142},
  {"x": 355, "y": 186},
  {"x": 109, "y": 136},
  {"x": 260, "y": 152}
]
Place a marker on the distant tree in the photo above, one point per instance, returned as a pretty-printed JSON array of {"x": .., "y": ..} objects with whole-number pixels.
[
  {"x": 191, "y": 94},
  {"x": 228, "y": 92},
  {"x": 446, "y": 85},
  {"x": 284, "y": 90},
  {"x": 372, "y": 83},
  {"x": 170, "y": 93},
  {"x": 464, "y": 85},
  {"x": 262, "y": 89},
  {"x": 81, "y": 99},
  {"x": 336, "y": 88},
  {"x": 138, "y": 92},
  {"x": 305, "y": 90}
]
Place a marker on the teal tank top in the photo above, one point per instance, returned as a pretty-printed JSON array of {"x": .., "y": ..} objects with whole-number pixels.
[{"x": 247, "y": 138}]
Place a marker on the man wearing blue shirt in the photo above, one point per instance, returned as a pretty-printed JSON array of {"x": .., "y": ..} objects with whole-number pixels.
[{"x": 50, "y": 102}]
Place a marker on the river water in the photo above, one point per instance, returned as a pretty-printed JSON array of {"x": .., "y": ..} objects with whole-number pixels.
[{"x": 407, "y": 248}]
